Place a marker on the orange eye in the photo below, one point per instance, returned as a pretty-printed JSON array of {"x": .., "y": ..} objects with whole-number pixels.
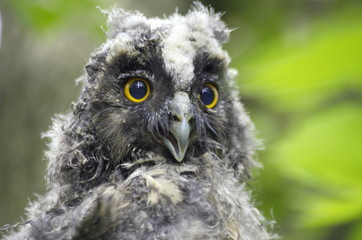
[
  {"x": 209, "y": 95},
  {"x": 137, "y": 90}
]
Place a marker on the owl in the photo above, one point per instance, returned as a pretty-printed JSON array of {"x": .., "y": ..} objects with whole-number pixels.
[{"x": 158, "y": 145}]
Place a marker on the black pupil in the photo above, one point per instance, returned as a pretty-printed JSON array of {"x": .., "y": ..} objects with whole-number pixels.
[
  {"x": 207, "y": 95},
  {"x": 138, "y": 89}
]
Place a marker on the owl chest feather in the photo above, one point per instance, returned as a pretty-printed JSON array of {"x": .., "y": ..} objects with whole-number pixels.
[{"x": 171, "y": 202}]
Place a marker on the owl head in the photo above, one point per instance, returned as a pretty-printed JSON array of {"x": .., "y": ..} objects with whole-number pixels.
[{"x": 158, "y": 89}]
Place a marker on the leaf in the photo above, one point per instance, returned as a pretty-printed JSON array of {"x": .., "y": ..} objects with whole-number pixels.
[
  {"x": 306, "y": 70},
  {"x": 326, "y": 148},
  {"x": 48, "y": 16},
  {"x": 322, "y": 211},
  {"x": 356, "y": 232},
  {"x": 323, "y": 154}
]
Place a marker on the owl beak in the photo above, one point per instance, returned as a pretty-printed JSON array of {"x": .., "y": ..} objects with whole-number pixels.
[{"x": 177, "y": 141}]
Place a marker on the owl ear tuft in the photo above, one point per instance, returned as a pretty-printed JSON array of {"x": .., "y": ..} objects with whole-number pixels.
[
  {"x": 206, "y": 16},
  {"x": 199, "y": 16},
  {"x": 120, "y": 20}
]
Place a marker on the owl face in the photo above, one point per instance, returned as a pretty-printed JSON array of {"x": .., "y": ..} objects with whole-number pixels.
[
  {"x": 159, "y": 86},
  {"x": 158, "y": 89}
]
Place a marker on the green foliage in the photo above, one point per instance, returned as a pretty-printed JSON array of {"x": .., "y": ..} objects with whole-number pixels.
[
  {"x": 302, "y": 72},
  {"x": 310, "y": 83},
  {"x": 47, "y": 17},
  {"x": 323, "y": 155}
]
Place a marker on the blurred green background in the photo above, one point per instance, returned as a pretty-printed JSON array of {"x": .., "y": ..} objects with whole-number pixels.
[{"x": 300, "y": 77}]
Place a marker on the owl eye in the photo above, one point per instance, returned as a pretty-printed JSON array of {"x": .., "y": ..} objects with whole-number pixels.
[
  {"x": 209, "y": 95},
  {"x": 136, "y": 90}
]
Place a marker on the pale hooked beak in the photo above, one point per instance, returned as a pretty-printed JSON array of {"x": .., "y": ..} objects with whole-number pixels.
[{"x": 178, "y": 138}]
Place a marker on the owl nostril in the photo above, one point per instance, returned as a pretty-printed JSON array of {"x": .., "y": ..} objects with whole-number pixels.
[
  {"x": 191, "y": 120},
  {"x": 176, "y": 118}
]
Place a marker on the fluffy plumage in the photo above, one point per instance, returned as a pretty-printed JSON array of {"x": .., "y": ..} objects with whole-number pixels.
[{"x": 111, "y": 174}]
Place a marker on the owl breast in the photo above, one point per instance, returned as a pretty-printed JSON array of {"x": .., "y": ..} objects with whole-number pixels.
[{"x": 175, "y": 203}]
